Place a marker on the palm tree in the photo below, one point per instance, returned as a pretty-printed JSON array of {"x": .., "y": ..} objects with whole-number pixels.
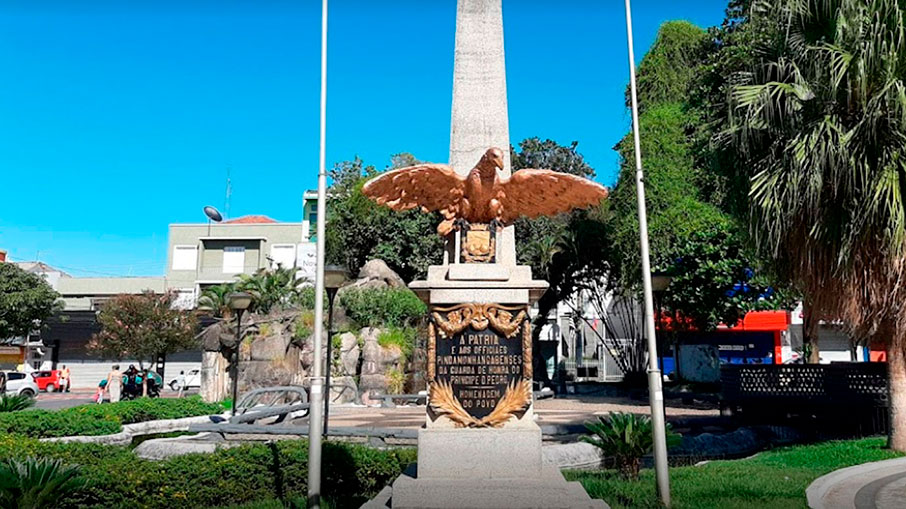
[
  {"x": 215, "y": 299},
  {"x": 278, "y": 287},
  {"x": 822, "y": 122}
]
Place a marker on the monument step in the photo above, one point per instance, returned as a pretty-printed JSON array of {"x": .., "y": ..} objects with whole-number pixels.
[{"x": 550, "y": 491}]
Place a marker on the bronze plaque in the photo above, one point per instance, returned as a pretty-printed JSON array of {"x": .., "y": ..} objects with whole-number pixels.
[{"x": 479, "y": 363}]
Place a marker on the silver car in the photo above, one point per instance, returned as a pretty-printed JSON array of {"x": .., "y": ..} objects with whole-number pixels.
[{"x": 21, "y": 383}]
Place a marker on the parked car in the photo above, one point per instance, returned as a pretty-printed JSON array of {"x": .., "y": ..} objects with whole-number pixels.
[
  {"x": 47, "y": 380},
  {"x": 192, "y": 380},
  {"x": 21, "y": 383}
]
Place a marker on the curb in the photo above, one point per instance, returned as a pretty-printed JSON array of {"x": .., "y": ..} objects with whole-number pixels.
[{"x": 819, "y": 488}]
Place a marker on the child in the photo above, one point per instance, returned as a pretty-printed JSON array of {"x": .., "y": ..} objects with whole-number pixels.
[{"x": 102, "y": 388}]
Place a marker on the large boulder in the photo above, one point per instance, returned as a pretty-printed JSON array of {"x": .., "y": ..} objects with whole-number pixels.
[
  {"x": 349, "y": 353},
  {"x": 371, "y": 352},
  {"x": 377, "y": 271},
  {"x": 269, "y": 348}
]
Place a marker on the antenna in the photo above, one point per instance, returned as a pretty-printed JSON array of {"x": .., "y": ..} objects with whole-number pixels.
[{"x": 229, "y": 191}]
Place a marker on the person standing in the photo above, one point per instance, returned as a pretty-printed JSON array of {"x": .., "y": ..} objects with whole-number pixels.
[
  {"x": 65, "y": 381},
  {"x": 115, "y": 383}
]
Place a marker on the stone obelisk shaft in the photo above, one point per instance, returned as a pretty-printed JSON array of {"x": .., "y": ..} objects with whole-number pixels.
[{"x": 479, "y": 120}]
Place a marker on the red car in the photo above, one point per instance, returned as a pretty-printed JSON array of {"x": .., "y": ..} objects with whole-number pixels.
[{"x": 47, "y": 380}]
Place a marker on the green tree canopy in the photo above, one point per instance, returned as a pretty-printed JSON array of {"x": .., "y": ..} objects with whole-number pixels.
[
  {"x": 26, "y": 300},
  {"x": 716, "y": 278},
  {"x": 359, "y": 230},
  {"x": 143, "y": 327}
]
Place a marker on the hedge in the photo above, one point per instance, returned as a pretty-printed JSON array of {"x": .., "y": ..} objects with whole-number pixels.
[
  {"x": 251, "y": 472},
  {"x": 102, "y": 419}
]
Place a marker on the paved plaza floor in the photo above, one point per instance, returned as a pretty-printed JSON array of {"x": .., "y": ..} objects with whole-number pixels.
[{"x": 573, "y": 410}]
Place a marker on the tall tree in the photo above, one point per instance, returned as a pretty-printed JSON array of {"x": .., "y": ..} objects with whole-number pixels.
[
  {"x": 143, "y": 327},
  {"x": 715, "y": 277},
  {"x": 569, "y": 251},
  {"x": 26, "y": 300},
  {"x": 359, "y": 230},
  {"x": 822, "y": 124}
]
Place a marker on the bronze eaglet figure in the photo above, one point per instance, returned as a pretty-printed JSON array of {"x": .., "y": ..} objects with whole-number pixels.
[{"x": 483, "y": 196}]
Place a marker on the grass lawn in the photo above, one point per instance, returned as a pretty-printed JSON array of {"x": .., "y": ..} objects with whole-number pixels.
[{"x": 775, "y": 479}]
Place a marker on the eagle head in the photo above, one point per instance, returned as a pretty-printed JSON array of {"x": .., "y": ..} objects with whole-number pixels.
[{"x": 491, "y": 161}]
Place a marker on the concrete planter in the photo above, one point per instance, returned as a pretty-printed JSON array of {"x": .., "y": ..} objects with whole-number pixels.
[{"x": 137, "y": 429}]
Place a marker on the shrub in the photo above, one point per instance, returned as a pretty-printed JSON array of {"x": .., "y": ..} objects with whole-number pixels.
[
  {"x": 402, "y": 338},
  {"x": 305, "y": 325},
  {"x": 36, "y": 483},
  {"x": 352, "y": 473},
  {"x": 15, "y": 402},
  {"x": 396, "y": 381},
  {"x": 625, "y": 437},
  {"x": 102, "y": 419},
  {"x": 393, "y": 307}
]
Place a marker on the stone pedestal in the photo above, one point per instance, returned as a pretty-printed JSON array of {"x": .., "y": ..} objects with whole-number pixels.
[{"x": 507, "y": 453}]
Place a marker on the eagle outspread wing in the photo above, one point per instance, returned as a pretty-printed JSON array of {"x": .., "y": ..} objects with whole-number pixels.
[
  {"x": 532, "y": 193},
  {"x": 432, "y": 187}
]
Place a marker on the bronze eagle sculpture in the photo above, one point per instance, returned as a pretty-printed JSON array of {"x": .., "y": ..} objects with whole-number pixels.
[{"x": 483, "y": 196}]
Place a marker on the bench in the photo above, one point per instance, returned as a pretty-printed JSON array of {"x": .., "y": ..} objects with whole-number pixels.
[
  {"x": 388, "y": 399},
  {"x": 259, "y": 404}
]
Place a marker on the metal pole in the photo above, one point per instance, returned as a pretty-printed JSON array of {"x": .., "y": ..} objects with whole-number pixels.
[
  {"x": 317, "y": 379},
  {"x": 655, "y": 393},
  {"x": 331, "y": 293},
  {"x": 235, "y": 367}
]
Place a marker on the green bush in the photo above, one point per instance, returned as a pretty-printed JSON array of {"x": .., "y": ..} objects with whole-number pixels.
[
  {"x": 102, "y": 419},
  {"x": 15, "y": 402},
  {"x": 249, "y": 473},
  {"x": 386, "y": 307},
  {"x": 625, "y": 437}
]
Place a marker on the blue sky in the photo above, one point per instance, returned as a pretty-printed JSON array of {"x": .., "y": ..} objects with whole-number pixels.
[{"x": 119, "y": 118}]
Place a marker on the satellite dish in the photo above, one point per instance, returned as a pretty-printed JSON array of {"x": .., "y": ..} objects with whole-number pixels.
[{"x": 213, "y": 214}]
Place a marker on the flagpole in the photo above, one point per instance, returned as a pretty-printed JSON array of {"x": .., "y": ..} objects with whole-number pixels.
[
  {"x": 655, "y": 392},
  {"x": 316, "y": 408}
]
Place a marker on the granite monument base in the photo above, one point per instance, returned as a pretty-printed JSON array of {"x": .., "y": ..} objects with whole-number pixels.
[{"x": 484, "y": 453}]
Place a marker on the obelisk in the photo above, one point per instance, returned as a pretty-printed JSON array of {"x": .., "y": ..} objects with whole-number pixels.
[
  {"x": 480, "y": 447},
  {"x": 479, "y": 120}
]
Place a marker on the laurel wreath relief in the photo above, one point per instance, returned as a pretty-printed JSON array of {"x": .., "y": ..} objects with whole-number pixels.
[
  {"x": 517, "y": 398},
  {"x": 506, "y": 321}
]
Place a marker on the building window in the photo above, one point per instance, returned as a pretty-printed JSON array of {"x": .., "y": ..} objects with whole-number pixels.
[
  {"x": 283, "y": 255},
  {"x": 233, "y": 259},
  {"x": 185, "y": 257}
]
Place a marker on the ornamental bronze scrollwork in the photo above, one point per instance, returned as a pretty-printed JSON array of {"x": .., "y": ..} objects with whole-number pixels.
[{"x": 456, "y": 319}]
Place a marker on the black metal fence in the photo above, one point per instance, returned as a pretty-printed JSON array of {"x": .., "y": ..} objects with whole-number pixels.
[{"x": 843, "y": 397}]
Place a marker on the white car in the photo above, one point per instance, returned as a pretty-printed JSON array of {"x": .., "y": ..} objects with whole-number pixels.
[
  {"x": 21, "y": 383},
  {"x": 192, "y": 379}
]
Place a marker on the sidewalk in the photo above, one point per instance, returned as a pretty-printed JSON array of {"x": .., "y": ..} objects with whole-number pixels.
[{"x": 878, "y": 485}]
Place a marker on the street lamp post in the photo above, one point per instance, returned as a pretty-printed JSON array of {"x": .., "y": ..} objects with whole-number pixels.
[
  {"x": 655, "y": 382},
  {"x": 239, "y": 302},
  {"x": 334, "y": 277}
]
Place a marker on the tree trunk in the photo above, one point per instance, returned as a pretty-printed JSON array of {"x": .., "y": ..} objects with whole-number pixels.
[
  {"x": 896, "y": 369},
  {"x": 810, "y": 334}
]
